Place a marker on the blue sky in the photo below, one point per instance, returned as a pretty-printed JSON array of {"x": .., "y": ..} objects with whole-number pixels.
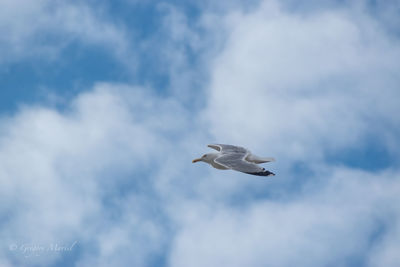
[{"x": 104, "y": 105}]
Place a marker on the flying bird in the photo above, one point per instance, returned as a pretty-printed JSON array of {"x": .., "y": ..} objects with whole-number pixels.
[{"x": 236, "y": 158}]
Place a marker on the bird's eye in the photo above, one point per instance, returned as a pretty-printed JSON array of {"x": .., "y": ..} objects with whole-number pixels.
[{"x": 204, "y": 156}]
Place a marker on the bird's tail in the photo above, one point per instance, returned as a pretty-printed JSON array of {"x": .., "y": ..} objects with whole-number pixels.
[{"x": 258, "y": 160}]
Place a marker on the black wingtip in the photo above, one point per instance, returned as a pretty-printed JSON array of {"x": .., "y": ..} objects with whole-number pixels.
[{"x": 264, "y": 173}]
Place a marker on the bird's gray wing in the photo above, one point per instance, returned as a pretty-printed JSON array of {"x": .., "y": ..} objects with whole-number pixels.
[
  {"x": 228, "y": 148},
  {"x": 236, "y": 161}
]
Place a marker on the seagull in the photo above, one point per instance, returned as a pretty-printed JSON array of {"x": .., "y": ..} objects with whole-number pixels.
[{"x": 235, "y": 158}]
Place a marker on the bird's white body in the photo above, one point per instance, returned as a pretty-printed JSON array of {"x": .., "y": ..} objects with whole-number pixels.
[
  {"x": 235, "y": 158},
  {"x": 210, "y": 157}
]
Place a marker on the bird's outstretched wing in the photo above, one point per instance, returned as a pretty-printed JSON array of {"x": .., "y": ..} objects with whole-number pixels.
[
  {"x": 229, "y": 148},
  {"x": 237, "y": 162}
]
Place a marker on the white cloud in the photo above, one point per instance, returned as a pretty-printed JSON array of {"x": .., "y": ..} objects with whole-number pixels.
[
  {"x": 313, "y": 82},
  {"x": 331, "y": 226},
  {"x": 42, "y": 28},
  {"x": 300, "y": 86},
  {"x": 60, "y": 169}
]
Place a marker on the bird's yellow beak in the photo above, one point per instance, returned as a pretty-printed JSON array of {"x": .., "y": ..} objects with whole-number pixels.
[{"x": 196, "y": 160}]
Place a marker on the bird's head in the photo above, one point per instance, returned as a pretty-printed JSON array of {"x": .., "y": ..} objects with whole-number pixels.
[{"x": 205, "y": 158}]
